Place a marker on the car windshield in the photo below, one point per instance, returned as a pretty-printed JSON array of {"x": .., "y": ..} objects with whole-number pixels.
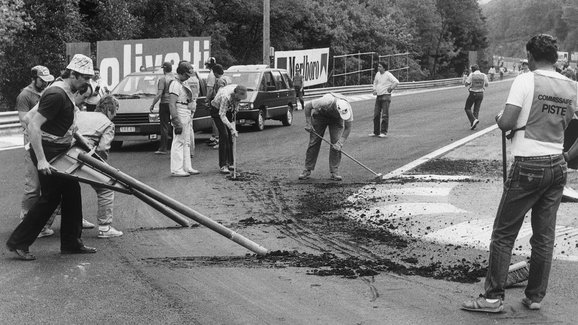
[
  {"x": 137, "y": 85},
  {"x": 251, "y": 80}
]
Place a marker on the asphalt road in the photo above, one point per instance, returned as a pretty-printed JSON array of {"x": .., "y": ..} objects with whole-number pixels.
[{"x": 158, "y": 273}]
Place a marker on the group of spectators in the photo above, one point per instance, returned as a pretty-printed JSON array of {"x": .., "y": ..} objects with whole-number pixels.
[
  {"x": 51, "y": 111},
  {"x": 178, "y": 95}
]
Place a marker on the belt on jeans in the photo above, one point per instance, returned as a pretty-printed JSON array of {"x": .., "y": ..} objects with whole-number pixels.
[
  {"x": 545, "y": 157},
  {"x": 476, "y": 92},
  {"x": 184, "y": 103}
]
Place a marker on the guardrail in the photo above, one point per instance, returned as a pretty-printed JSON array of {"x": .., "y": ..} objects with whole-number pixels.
[
  {"x": 9, "y": 122},
  {"x": 314, "y": 92}
]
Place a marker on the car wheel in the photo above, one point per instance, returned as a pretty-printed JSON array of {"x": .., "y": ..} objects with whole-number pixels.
[
  {"x": 260, "y": 122},
  {"x": 288, "y": 118},
  {"x": 116, "y": 145}
]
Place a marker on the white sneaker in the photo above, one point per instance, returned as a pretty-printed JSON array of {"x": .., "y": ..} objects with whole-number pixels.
[
  {"x": 193, "y": 171},
  {"x": 225, "y": 170},
  {"x": 46, "y": 231},
  {"x": 108, "y": 232},
  {"x": 474, "y": 124},
  {"x": 86, "y": 224},
  {"x": 382, "y": 135}
]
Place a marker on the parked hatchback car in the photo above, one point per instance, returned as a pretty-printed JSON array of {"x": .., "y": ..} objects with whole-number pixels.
[
  {"x": 135, "y": 93},
  {"x": 270, "y": 94}
]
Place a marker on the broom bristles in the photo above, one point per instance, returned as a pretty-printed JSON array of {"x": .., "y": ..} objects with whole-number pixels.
[{"x": 517, "y": 273}]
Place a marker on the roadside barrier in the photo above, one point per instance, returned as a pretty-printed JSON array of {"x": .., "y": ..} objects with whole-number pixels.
[{"x": 9, "y": 123}]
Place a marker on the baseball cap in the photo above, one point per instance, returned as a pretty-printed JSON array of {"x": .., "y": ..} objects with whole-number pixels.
[
  {"x": 344, "y": 108},
  {"x": 186, "y": 67},
  {"x": 524, "y": 61},
  {"x": 43, "y": 73},
  {"x": 81, "y": 64}
]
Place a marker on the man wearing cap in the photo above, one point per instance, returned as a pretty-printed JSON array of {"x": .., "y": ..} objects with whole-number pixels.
[
  {"x": 164, "y": 111},
  {"x": 25, "y": 101},
  {"x": 51, "y": 133},
  {"x": 181, "y": 105},
  {"x": 223, "y": 110},
  {"x": 331, "y": 111},
  {"x": 476, "y": 81}
]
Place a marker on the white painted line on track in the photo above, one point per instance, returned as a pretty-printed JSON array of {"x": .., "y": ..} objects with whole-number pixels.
[{"x": 398, "y": 172}]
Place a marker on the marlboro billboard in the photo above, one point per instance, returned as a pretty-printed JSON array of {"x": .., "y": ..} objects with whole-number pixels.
[
  {"x": 313, "y": 64},
  {"x": 116, "y": 59}
]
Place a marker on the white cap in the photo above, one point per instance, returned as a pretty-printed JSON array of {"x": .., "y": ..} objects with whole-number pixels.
[{"x": 344, "y": 108}]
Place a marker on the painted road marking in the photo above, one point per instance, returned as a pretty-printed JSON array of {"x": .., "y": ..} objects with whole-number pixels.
[{"x": 375, "y": 204}]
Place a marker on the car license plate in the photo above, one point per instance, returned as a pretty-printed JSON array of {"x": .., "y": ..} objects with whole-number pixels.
[{"x": 127, "y": 129}]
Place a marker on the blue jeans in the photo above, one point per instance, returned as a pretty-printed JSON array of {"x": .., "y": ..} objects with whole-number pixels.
[
  {"x": 320, "y": 123},
  {"x": 475, "y": 99},
  {"x": 533, "y": 183},
  {"x": 381, "y": 114}
]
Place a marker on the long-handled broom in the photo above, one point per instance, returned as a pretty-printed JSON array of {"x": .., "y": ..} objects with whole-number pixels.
[{"x": 378, "y": 176}]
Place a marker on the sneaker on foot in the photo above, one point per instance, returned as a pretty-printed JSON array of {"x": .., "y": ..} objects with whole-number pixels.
[
  {"x": 382, "y": 135},
  {"x": 108, "y": 232},
  {"x": 306, "y": 174},
  {"x": 530, "y": 304},
  {"x": 372, "y": 135},
  {"x": 475, "y": 123},
  {"x": 180, "y": 174},
  {"x": 193, "y": 171},
  {"x": 481, "y": 304},
  {"x": 336, "y": 177},
  {"x": 46, "y": 231},
  {"x": 86, "y": 224},
  {"x": 224, "y": 170}
]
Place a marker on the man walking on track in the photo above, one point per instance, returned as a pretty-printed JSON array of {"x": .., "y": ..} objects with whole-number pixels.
[
  {"x": 383, "y": 84},
  {"x": 477, "y": 81},
  {"x": 540, "y": 106},
  {"x": 51, "y": 133},
  {"x": 331, "y": 111}
]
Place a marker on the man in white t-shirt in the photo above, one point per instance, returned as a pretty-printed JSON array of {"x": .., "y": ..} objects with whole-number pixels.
[{"x": 540, "y": 106}]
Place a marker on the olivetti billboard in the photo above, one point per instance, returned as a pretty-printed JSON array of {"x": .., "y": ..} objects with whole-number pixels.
[
  {"x": 313, "y": 64},
  {"x": 116, "y": 59}
]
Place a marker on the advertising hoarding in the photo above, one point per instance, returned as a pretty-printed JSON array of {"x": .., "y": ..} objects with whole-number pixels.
[
  {"x": 312, "y": 63},
  {"x": 116, "y": 59}
]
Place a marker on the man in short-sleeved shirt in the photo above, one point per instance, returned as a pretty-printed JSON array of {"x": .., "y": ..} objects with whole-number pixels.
[
  {"x": 540, "y": 106},
  {"x": 164, "y": 111},
  {"x": 51, "y": 133},
  {"x": 476, "y": 82},
  {"x": 331, "y": 111}
]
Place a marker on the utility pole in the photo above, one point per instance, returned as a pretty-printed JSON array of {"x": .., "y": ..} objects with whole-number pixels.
[{"x": 266, "y": 26}]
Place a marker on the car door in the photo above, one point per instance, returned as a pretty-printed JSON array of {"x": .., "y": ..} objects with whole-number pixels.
[
  {"x": 268, "y": 93},
  {"x": 282, "y": 94}
]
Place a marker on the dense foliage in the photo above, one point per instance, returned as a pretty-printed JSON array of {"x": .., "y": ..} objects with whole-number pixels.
[
  {"x": 436, "y": 33},
  {"x": 514, "y": 21}
]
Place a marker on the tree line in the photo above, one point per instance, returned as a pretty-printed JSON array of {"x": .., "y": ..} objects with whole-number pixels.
[
  {"x": 437, "y": 33},
  {"x": 513, "y": 22}
]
